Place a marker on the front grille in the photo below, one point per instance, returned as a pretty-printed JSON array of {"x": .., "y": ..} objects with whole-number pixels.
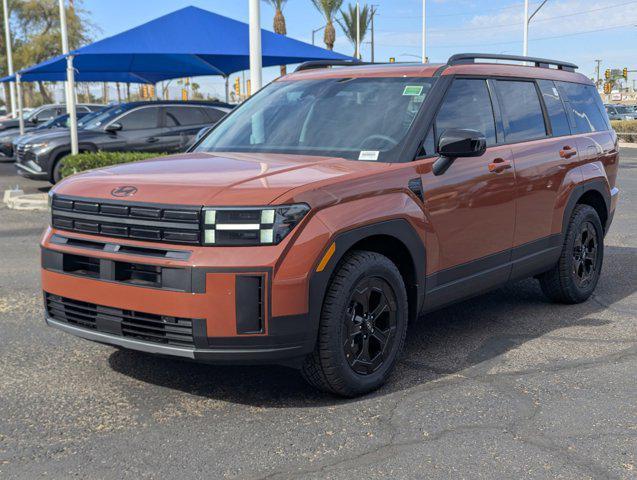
[
  {"x": 126, "y": 323},
  {"x": 22, "y": 154},
  {"x": 149, "y": 222}
]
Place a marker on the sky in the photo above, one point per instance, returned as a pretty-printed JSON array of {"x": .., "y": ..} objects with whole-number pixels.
[{"x": 578, "y": 31}]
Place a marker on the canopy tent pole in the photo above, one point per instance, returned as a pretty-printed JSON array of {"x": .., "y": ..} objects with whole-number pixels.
[
  {"x": 70, "y": 106},
  {"x": 7, "y": 36},
  {"x": 255, "y": 45},
  {"x": 18, "y": 84},
  {"x": 227, "y": 78},
  {"x": 70, "y": 82}
]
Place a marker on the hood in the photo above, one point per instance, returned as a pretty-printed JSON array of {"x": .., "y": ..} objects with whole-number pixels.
[{"x": 221, "y": 179}]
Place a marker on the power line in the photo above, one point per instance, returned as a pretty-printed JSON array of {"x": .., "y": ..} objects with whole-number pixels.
[{"x": 512, "y": 42}]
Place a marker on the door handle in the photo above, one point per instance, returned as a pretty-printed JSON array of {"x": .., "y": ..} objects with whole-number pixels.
[
  {"x": 152, "y": 140},
  {"x": 499, "y": 165},
  {"x": 567, "y": 152}
]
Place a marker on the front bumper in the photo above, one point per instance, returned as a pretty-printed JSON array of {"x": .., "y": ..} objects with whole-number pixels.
[
  {"x": 237, "y": 355},
  {"x": 30, "y": 169}
]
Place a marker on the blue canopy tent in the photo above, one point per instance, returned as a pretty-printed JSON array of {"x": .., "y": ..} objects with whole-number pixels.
[{"x": 186, "y": 43}]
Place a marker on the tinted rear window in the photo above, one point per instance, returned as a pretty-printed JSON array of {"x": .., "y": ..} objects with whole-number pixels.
[
  {"x": 467, "y": 105},
  {"x": 187, "y": 115},
  {"x": 554, "y": 108},
  {"x": 521, "y": 111},
  {"x": 586, "y": 108}
]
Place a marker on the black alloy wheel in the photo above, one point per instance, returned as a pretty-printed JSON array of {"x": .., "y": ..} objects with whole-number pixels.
[{"x": 369, "y": 329}]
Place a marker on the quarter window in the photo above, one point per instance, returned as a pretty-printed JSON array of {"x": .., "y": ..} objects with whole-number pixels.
[
  {"x": 467, "y": 105},
  {"x": 521, "y": 111},
  {"x": 554, "y": 108},
  {"x": 187, "y": 115},
  {"x": 140, "y": 119},
  {"x": 585, "y": 109}
]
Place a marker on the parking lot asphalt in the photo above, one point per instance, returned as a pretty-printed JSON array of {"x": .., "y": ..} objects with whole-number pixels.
[{"x": 505, "y": 385}]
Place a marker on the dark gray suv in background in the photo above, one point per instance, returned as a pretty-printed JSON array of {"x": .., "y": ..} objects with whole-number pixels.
[{"x": 156, "y": 126}]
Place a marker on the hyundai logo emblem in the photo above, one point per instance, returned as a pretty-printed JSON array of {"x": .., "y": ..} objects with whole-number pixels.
[{"x": 124, "y": 191}]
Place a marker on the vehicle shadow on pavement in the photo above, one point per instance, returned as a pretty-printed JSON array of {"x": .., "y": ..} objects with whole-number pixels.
[{"x": 475, "y": 334}]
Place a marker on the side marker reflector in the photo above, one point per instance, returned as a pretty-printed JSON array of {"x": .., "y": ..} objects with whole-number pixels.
[{"x": 326, "y": 258}]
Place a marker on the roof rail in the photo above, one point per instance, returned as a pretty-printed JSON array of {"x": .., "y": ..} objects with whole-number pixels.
[
  {"x": 312, "y": 64},
  {"x": 464, "y": 58}
]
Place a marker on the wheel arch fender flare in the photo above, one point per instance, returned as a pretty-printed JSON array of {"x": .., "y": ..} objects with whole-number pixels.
[
  {"x": 599, "y": 185},
  {"x": 399, "y": 229}
]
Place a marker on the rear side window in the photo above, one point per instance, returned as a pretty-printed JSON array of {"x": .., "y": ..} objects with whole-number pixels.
[
  {"x": 187, "y": 115},
  {"x": 467, "y": 105},
  {"x": 585, "y": 107},
  {"x": 554, "y": 108},
  {"x": 521, "y": 111},
  {"x": 140, "y": 119},
  {"x": 214, "y": 114}
]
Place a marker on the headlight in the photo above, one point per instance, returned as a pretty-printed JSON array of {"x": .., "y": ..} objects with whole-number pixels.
[
  {"x": 250, "y": 226},
  {"x": 37, "y": 146}
]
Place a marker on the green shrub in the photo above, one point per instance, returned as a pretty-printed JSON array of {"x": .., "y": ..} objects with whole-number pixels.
[
  {"x": 625, "y": 126},
  {"x": 89, "y": 160}
]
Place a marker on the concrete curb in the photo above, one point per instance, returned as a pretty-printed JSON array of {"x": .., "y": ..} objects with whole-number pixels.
[{"x": 17, "y": 200}]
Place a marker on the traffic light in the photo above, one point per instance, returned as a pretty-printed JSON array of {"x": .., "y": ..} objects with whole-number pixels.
[
  {"x": 625, "y": 73},
  {"x": 237, "y": 86},
  {"x": 248, "y": 87},
  {"x": 392, "y": 59},
  {"x": 607, "y": 74},
  {"x": 144, "y": 91},
  {"x": 608, "y": 87},
  {"x": 184, "y": 94},
  {"x": 151, "y": 91}
]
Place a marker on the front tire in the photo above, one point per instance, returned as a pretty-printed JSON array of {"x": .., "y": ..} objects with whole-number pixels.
[
  {"x": 574, "y": 278},
  {"x": 362, "y": 328},
  {"x": 56, "y": 173}
]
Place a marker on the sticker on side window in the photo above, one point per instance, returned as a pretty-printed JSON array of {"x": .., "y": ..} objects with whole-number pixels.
[
  {"x": 555, "y": 92},
  {"x": 412, "y": 90},
  {"x": 368, "y": 155}
]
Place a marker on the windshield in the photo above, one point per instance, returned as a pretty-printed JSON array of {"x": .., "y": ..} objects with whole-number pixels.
[
  {"x": 102, "y": 117},
  {"x": 354, "y": 118},
  {"x": 622, "y": 109}
]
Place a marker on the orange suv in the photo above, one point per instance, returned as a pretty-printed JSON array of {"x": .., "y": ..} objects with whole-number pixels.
[{"x": 334, "y": 206}]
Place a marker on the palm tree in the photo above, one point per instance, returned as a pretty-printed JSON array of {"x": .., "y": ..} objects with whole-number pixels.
[
  {"x": 348, "y": 23},
  {"x": 279, "y": 21},
  {"x": 328, "y": 8}
]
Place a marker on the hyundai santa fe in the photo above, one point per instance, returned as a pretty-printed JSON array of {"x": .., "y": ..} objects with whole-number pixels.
[{"x": 335, "y": 206}]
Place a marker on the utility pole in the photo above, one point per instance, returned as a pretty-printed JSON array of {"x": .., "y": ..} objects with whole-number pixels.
[
  {"x": 7, "y": 36},
  {"x": 70, "y": 81},
  {"x": 597, "y": 67},
  {"x": 372, "y": 25},
  {"x": 255, "y": 44},
  {"x": 358, "y": 31},
  {"x": 424, "y": 31},
  {"x": 527, "y": 20}
]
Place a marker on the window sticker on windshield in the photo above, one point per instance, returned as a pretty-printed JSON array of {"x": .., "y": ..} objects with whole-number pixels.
[
  {"x": 412, "y": 90},
  {"x": 368, "y": 155},
  {"x": 555, "y": 92}
]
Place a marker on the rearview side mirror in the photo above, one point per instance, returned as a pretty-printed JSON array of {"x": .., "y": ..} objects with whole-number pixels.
[
  {"x": 113, "y": 127},
  {"x": 455, "y": 143}
]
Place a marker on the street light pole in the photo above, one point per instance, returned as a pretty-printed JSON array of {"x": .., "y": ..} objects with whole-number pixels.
[
  {"x": 7, "y": 36},
  {"x": 358, "y": 31},
  {"x": 316, "y": 30},
  {"x": 70, "y": 81},
  {"x": 255, "y": 45},
  {"x": 424, "y": 31},
  {"x": 527, "y": 20}
]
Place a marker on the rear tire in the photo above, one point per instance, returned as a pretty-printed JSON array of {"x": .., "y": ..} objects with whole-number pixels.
[
  {"x": 362, "y": 328},
  {"x": 574, "y": 278}
]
